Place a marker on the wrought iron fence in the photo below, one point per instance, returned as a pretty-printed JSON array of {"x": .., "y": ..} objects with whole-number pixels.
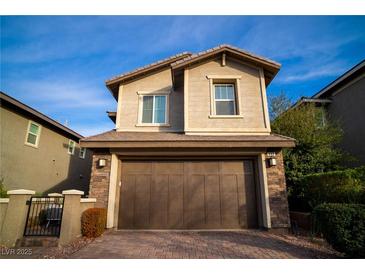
[{"x": 44, "y": 216}]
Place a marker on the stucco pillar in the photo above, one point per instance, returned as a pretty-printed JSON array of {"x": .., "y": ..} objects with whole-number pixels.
[
  {"x": 264, "y": 191},
  {"x": 71, "y": 218},
  {"x": 112, "y": 190},
  {"x": 15, "y": 216}
]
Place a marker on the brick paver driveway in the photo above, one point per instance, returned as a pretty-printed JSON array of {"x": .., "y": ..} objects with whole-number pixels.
[{"x": 207, "y": 244}]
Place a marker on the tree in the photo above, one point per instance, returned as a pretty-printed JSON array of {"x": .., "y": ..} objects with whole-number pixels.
[
  {"x": 278, "y": 105},
  {"x": 316, "y": 140}
]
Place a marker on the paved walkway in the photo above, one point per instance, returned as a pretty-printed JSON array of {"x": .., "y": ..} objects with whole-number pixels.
[{"x": 205, "y": 245}]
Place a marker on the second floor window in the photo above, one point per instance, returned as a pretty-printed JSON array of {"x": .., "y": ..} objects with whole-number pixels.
[
  {"x": 225, "y": 99},
  {"x": 71, "y": 147},
  {"x": 154, "y": 109},
  {"x": 33, "y": 133}
]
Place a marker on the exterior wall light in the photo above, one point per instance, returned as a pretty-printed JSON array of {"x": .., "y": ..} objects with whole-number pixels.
[
  {"x": 102, "y": 163},
  {"x": 272, "y": 158}
]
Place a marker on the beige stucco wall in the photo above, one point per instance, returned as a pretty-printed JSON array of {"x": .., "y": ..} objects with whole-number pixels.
[
  {"x": 128, "y": 100},
  {"x": 250, "y": 91},
  {"x": 48, "y": 168}
]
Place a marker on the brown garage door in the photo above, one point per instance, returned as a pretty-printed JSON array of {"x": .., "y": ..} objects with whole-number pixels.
[{"x": 187, "y": 195}]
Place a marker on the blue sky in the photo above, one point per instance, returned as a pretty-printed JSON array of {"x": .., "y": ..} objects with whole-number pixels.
[{"x": 58, "y": 65}]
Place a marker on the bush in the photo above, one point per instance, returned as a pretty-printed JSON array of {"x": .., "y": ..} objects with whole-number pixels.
[
  {"x": 93, "y": 221},
  {"x": 343, "y": 226},
  {"x": 345, "y": 186},
  {"x": 3, "y": 191}
]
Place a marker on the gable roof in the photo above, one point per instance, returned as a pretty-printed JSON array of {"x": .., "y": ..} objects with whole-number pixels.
[
  {"x": 345, "y": 78},
  {"x": 184, "y": 59},
  {"x": 271, "y": 68},
  {"x": 6, "y": 100},
  {"x": 113, "y": 83}
]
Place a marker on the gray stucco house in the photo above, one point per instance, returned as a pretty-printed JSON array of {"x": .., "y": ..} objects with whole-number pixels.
[
  {"x": 38, "y": 153},
  {"x": 344, "y": 100}
]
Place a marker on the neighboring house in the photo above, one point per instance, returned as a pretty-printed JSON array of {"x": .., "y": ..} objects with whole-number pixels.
[
  {"x": 38, "y": 153},
  {"x": 344, "y": 100},
  {"x": 192, "y": 148}
]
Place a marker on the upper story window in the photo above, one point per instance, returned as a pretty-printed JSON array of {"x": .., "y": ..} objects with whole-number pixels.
[
  {"x": 71, "y": 147},
  {"x": 225, "y": 99},
  {"x": 33, "y": 134},
  {"x": 154, "y": 109},
  {"x": 82, "y": 153},
  {"x": 224, "y": 96}
]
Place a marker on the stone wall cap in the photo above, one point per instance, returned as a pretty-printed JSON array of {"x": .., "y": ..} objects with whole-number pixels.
[
  {"x": 55, "y": 195},
  {"x": 72, "y": 192},
  {"x": 88, "y": 200},
  {"x": 21, "y": 192},
  {"x": 4, "y": 200}
]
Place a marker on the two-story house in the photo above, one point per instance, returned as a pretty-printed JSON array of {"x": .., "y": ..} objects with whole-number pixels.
[
  {"x": 39, "y": 153},
  {"x": 344, "y": 102},
  {"x": 192, "y": 147}
]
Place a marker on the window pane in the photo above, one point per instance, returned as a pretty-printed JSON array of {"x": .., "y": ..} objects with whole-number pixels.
[
  {"x": 32, "y": 139},
  {"x": 160, "y": 109},
  {"x": 230, "y": 92},
  {"x": 225, "y": 108},
  {"x": 147, "y": 109},
  {"x": 218, "y": 92},
  {"x": 224, "y": 91},
  {"x": 71, "y": 147},
  {"x": 34, "y": 128}
]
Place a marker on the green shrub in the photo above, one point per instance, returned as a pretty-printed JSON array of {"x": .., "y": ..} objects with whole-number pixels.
[
  {"x": 343, "y": 226},
  {"x": 93, "y": 222},
  {"x": 345, "y": 186},
  {"x": 3, "y": 191}
]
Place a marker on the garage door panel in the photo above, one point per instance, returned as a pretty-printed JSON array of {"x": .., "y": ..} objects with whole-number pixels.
[
  {"x": 229, "y": 184},
  {"x": 168, "y": 168},
  {"x": 212, "y": 184},
  {"x": 142, "y": 201},
  {"x": 250, "y": 197},
  {"x": 213, "y": 210},
  {"x": 158, "y": 213},
  {"x": 194, "y": 213},
  {"x": 176, "y": 201},
  {"x": 127, "y": 202}
]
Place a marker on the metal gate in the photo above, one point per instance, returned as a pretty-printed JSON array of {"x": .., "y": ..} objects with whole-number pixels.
[{"x": 44, "y": 216}]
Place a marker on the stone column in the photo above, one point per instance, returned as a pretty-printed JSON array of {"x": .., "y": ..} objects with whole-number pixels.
[
  {"x": 71, "y": 220},
  {"x": 15, "y": 216}
]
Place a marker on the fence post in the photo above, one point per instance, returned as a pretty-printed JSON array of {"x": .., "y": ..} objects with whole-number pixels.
[
  {"x": 71, "y": 221},
  {"x": 15, "y": 216}
]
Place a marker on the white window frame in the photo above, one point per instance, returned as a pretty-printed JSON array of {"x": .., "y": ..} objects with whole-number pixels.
[
  {"x": 225, "y": 79},
  {"x": 234, "y": 100},
  {"x": 73, "y": 148},
  {"x": 141, "y": 94},
  {"x": 37, "y": 135},
  {"x": 82, "y": 153}
]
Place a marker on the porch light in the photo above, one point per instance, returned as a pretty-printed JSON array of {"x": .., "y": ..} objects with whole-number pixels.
[
  {"x": 272, "y": 158},
  {"x": 101, "y": 162}
]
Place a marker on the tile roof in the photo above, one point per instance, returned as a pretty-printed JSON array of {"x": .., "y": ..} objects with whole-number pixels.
[
  {"x": 6, "y": 99},
  {"x": 149, "y": 66},
  {"x": 117, "y": 136},
  {"x": 219, "y": 48}
]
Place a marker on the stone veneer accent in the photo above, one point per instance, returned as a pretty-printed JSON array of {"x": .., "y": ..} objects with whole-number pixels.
[
  {"x": 99, "y": 181},
  {"x": 279, "y": 209}
]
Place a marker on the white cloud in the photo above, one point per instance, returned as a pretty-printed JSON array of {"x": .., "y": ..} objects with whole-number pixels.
[{"x": 313, "y": 73}]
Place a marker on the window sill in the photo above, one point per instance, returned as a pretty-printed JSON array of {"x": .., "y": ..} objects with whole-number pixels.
[
  {"x": 225, "y": 116},
  {"x": 31, "y": 145},
  {"x": 152, "y": 125}
]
